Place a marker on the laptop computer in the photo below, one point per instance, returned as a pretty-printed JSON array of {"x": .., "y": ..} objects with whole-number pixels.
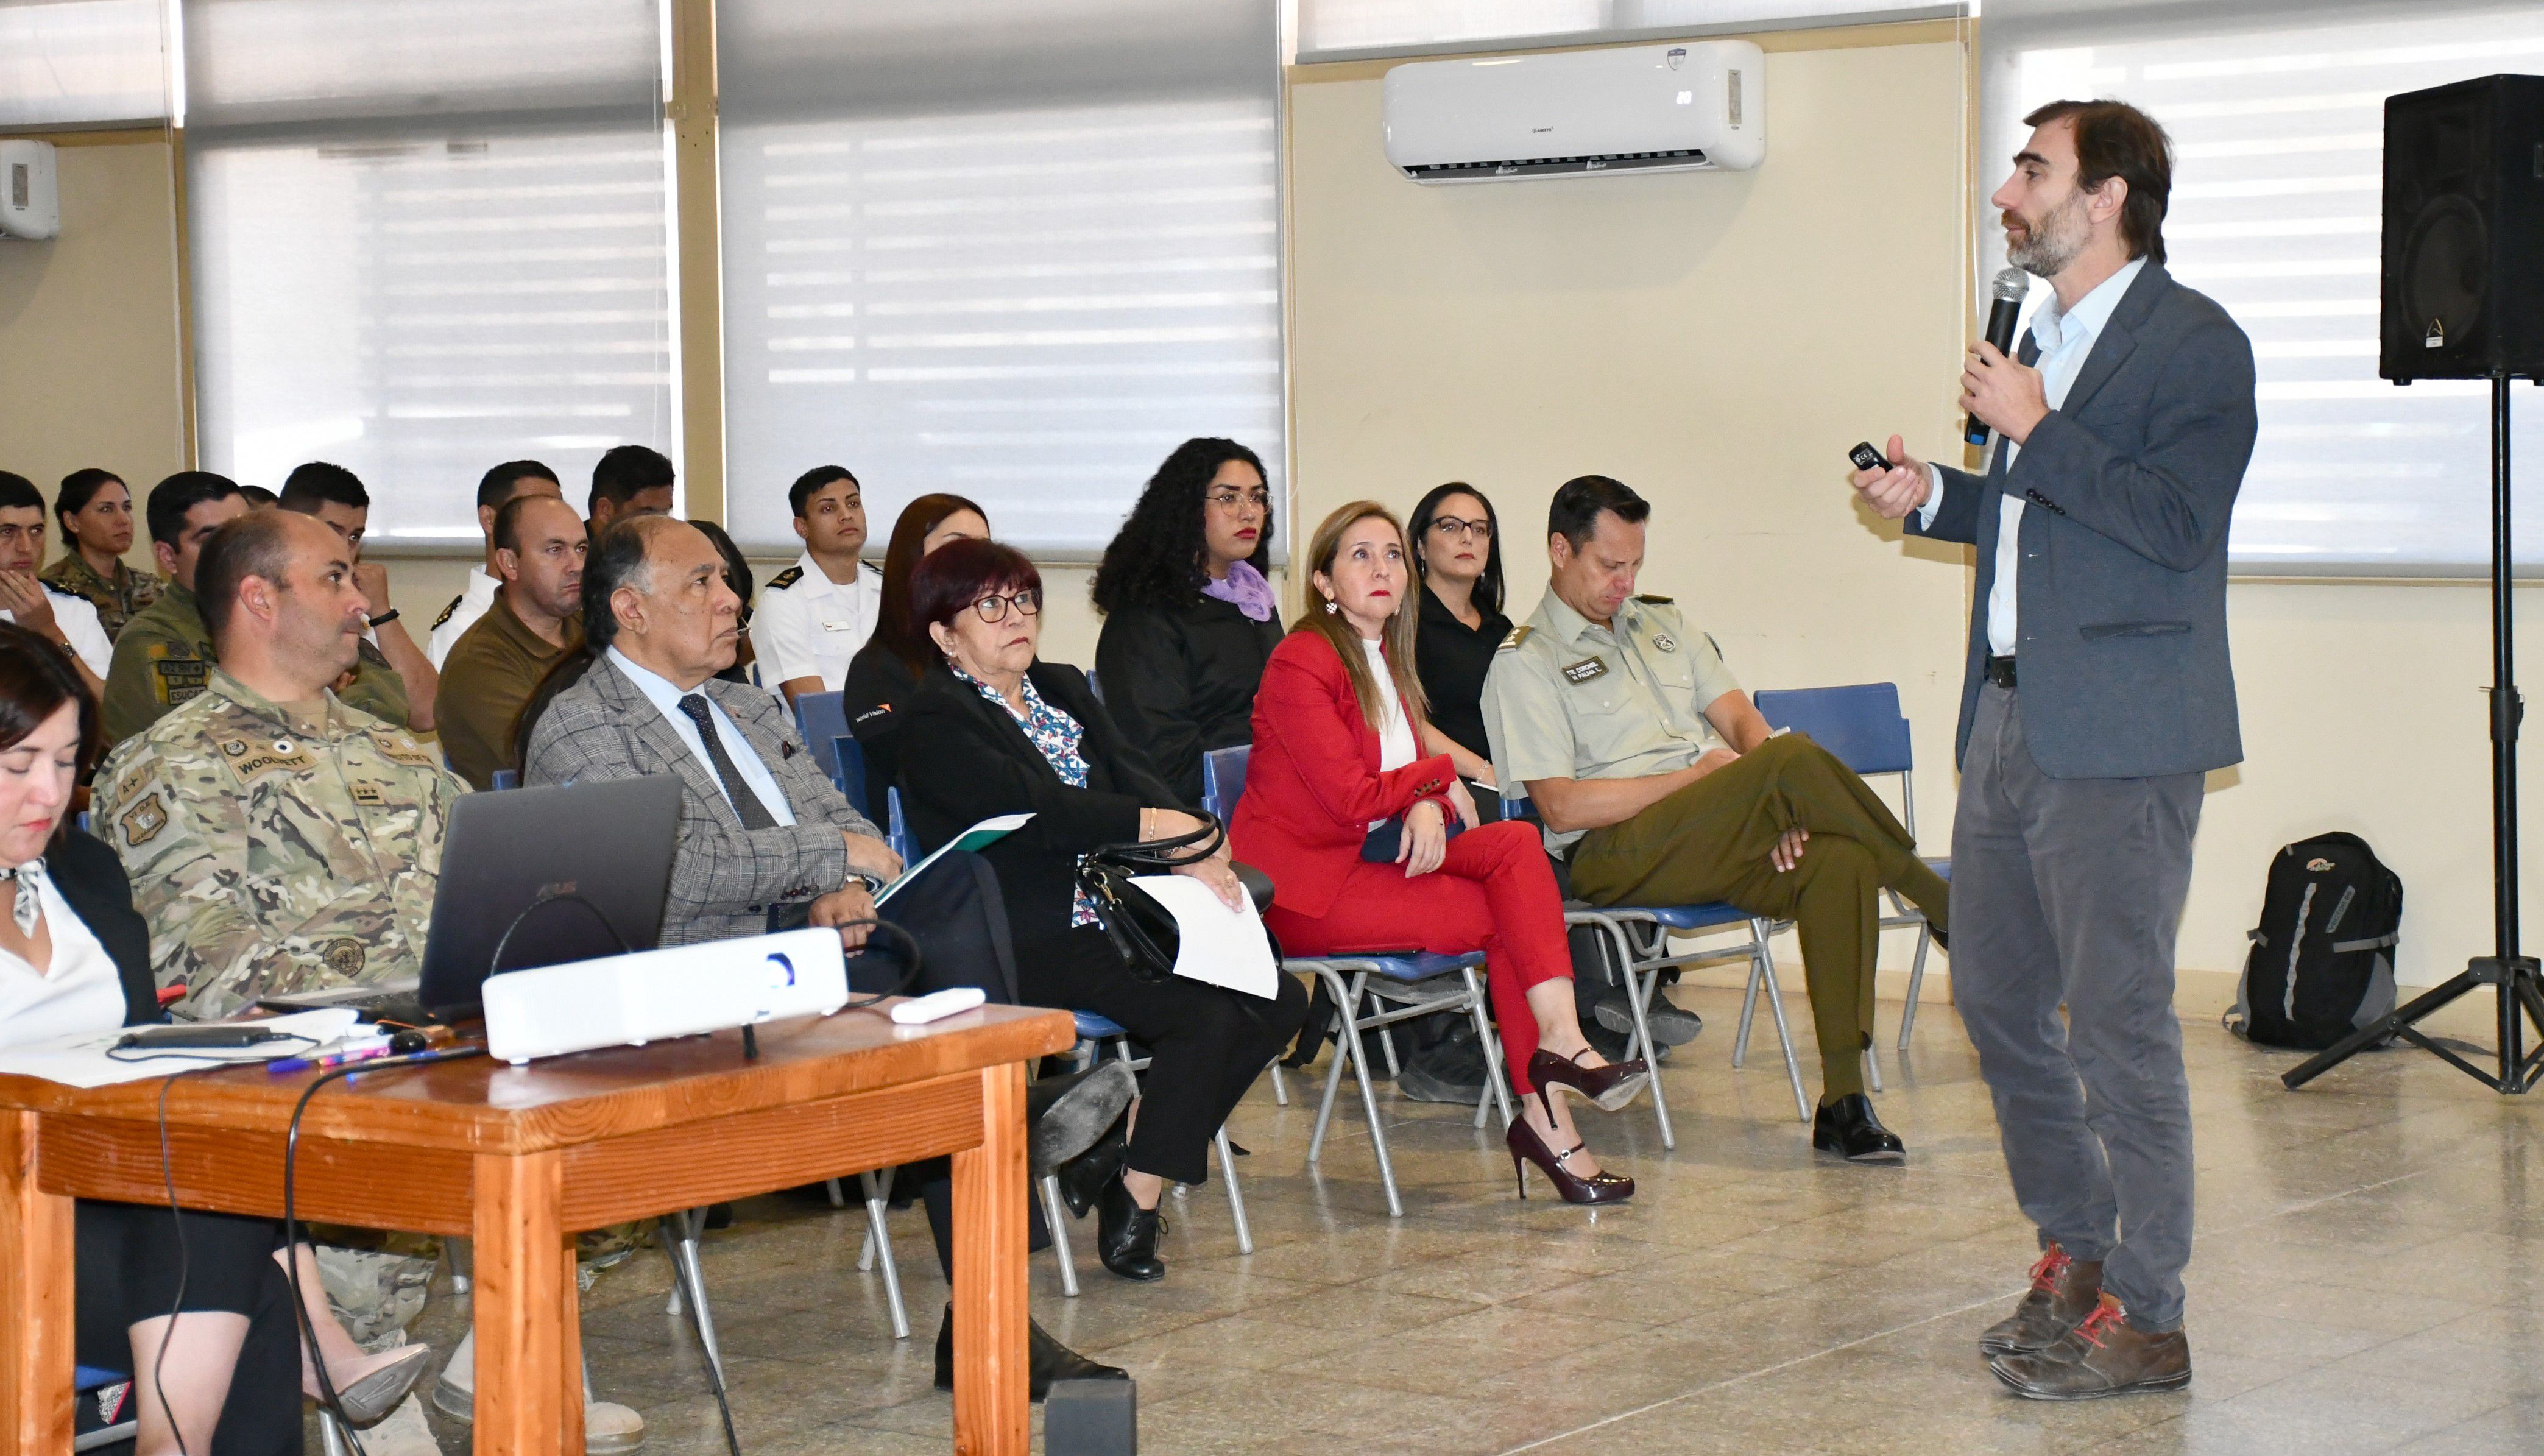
[{"x": 532, "y": 877}]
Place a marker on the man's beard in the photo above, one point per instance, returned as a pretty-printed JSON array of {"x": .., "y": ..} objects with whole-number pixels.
[{"x": 2053, "y": 242}]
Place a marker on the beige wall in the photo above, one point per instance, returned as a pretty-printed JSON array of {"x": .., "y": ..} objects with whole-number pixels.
[
  {"x": 1715, "y": 340},
  {"x": 89, "y": 344}
]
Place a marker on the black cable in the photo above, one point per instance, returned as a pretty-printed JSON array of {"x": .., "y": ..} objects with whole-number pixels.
[
  {"x": 327, "y": 1397},
  {"x": 715, "y": 1367},
  {"x": 495, "y": 961},
  {"x": 185, "y": 1268},
  {"x": 909, "y": 975}
]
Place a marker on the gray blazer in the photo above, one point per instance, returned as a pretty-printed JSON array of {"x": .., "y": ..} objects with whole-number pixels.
[
  {"x": 2121, "y": 598},
  {"x": 724, "y": 877}
]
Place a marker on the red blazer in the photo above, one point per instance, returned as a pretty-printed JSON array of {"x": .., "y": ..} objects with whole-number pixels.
[{"x": 1312, "y": 782}]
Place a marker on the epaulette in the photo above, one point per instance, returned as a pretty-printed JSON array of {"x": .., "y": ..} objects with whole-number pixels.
[
  {"x": 61, "y": 591},
  {"x": 787, "y": 577},
  {"x": 448, "y": 611},
  {"x": 1517, "y": 636},
  {"x": 1658, "y": 601}
]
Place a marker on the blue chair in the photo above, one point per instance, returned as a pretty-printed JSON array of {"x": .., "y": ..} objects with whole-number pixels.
[
  {"x": 1640, "y": 934},
  {"x": 1223, "y": 779},
  {"x": 897, "y": 830},
  {"x": 1863, "y": 727},
  {"x": 1094, "y": 685},
  {"x": 505, "y": 778},
  {"x": 822, "y": 720},
  {"x": 88, "y": 1380},
  {"x": 1094, "y": 1031},
  {"x": 848, "y": 771}
]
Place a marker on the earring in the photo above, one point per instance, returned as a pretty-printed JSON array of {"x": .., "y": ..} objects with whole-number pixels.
[{"x": 1332, "y": 606}]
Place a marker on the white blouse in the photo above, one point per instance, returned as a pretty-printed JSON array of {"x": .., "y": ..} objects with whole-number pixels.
[
  {"x": 82, "y": 992},
  {"x": 1396, "y": 744}
]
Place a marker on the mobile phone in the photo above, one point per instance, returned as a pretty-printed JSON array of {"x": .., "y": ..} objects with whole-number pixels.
[
  {"x": 209, "y": 1034},
  {"x": 1865, "y": 458}
]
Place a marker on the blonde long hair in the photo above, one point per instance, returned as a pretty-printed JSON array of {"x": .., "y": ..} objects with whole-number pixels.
[{"x": 1395, "y": 639}]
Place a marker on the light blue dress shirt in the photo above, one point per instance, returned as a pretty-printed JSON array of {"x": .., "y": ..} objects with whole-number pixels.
[
  {"x": 666, "y": 700},
  {"x": 2065, "y": 340}
]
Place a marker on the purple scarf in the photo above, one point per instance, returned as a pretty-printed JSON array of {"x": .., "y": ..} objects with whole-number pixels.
[{"x": 1246, "y": 589}]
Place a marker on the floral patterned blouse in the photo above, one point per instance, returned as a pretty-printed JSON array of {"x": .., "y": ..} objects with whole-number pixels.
[{"x": 1056, "y": 736}]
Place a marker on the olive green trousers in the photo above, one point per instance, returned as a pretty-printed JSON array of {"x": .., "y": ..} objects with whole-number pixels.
[{"x": 1709, "y": 841}]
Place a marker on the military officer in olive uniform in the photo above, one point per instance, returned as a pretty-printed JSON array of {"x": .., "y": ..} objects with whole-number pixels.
[
  {"x": 278, "y": 838},
  {"x": 1660, "y": 784}
]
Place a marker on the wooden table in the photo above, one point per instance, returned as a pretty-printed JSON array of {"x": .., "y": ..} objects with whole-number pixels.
[{"x": 519, "y": 1158}]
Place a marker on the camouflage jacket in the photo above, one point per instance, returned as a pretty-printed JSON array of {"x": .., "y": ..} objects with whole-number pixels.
[
  {"x": 164, "y": 658},
  {"x": 115, "y": 601},
  {"x": 273, "y": 854}
]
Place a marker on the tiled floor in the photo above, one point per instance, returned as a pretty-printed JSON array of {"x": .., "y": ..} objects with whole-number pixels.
[{"x": 2369, "y": 1277}]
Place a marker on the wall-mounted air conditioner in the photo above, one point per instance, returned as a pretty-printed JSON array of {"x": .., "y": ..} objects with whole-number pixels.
[{"x": 1686, "y": 107}]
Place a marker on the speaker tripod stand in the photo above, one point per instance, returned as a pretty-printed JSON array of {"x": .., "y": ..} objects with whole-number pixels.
[{"x": 2516, "y": 980}]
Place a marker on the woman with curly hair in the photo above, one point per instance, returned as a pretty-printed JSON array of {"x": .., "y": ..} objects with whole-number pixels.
[{"x": 1189, "y": 619}]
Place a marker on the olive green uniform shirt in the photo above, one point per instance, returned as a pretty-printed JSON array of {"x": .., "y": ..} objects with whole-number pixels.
[
  {"x": 273, "y": 853},
  {"x": 164, "y": 658},
  {"x": 115, "y": 601},
  {"x": 489, "y": 673},
  {"x": 1567, "y": 699}
]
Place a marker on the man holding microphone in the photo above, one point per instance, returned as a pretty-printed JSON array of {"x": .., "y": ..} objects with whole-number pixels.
[{"x": 2098, "y": 697}]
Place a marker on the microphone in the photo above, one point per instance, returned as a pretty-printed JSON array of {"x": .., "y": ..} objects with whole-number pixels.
[{"x": 2011, "y": 285}]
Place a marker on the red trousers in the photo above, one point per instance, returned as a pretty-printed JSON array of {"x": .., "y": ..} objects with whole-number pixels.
[{"x": 1494, "y": 893}]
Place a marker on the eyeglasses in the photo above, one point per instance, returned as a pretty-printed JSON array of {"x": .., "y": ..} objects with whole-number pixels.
[
  {"x": 994, "y": 609},
  {"x": 1446, "y": 526},
  {"x": 1230, "y": 500}
]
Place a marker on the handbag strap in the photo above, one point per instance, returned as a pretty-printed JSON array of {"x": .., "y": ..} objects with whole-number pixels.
[{"x": 1171, "y": 853}]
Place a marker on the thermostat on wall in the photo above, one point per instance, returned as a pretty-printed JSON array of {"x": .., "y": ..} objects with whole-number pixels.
[{"x": 31, "y": 199}]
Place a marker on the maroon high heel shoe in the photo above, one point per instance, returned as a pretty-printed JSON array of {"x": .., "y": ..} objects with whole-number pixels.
[
  {"x": 1613, "y": 1086},
  {"x": 1527, "y": 1147}
]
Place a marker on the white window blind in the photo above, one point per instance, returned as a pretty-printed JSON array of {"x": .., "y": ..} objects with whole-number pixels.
[
  {"x": 66, "y": 63},
  {"x": 2278, "y": 123},
  {"x": 1014, "y": 252},
  {"x": 428, "y": 235},
  {"x": 1337, "y": 30}
]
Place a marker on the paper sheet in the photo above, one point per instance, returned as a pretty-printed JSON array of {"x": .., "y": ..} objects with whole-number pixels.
[
  {"x": 83, "y": 1059},
  {"x": 1219, "y": 946},
  {"x": 979, "y": 837}
]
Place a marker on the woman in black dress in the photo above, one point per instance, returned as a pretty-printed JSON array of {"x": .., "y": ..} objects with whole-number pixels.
[
  {"x": 1189, "y": 619},
  {"x": 885, "y": 672},
  {"x": 1457, "y": 552},
  {"x": 994, "y": 730}
]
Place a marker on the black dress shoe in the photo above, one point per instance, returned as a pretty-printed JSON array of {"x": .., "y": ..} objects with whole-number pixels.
[
  {"x": 1046, "y": 1360},
  {"x": 1125, "y": 1235},
  {"x": 719, "y": 1216},
  {"x": 1083, "y": 1178},
  {"x": 1847, "y": 1128}
]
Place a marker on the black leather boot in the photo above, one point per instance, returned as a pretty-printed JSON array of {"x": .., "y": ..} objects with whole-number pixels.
[
  {"x": 1125, "y": 1235},
  {"x": 1046, "y": 1360}
]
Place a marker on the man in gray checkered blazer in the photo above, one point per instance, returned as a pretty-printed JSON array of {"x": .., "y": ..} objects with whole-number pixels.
[{"x": 765, "y": 838}]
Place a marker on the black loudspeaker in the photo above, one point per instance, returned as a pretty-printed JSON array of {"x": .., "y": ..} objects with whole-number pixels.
[
  {"x": 2463, "y": 276},
  {"x": 1091, "y": 1417}
]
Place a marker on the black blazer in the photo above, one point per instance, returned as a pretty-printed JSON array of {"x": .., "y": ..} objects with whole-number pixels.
[
  {"x": 92, "y": 882},
  {"x": 1180, "y": 683},
  {"x": 875, "y": 696},
  {"x": 965, "y": 758}
]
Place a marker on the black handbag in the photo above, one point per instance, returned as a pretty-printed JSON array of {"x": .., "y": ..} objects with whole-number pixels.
[{"x": 1142, "y": 930}]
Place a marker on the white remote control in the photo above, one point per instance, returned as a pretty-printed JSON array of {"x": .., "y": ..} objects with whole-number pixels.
[{"x": 938, "y": 1005}]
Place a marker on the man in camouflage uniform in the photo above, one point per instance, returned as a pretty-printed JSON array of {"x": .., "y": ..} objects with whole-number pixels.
[
  {"x": 164, "y": 656},
  {"x": 278, "y": 838}
]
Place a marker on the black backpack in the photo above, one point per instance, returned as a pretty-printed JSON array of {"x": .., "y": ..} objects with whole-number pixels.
[{"x": 2322, "y": 963}]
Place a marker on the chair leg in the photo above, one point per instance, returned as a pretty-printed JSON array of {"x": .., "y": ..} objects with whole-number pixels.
[
  {"x": 1387, "y": 1044},
  {"x": 1916, "y": 986},
  {"x": 1495, "y": 1090},
  {"x": 1748, "y": 1014},
  {"x": 1236, "y": 1196},
  {"x": 1280, "y": 1084},
  {"x": 1369, "y": 1100},
  {"x": 1635, "y": 996},
  {"x": 1871, "y": 1066},
  {"x": 1343, "y": 1048},
  {"x": 1055, "y": 1215},
  {"x": 878, "y": 1234},
  {"x": 1765, "y": 971},
  {"x": 868, "y": 1180},
  {"x": 838, "y": 1196}
]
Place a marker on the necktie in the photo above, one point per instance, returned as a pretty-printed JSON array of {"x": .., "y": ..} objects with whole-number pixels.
[
  {"x": 29, "y": 903},
  {"x": 746, "y": 804}
]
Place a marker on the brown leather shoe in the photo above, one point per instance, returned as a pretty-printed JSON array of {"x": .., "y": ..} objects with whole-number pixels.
[
  {"x": 2105, "y": 1356},
  {"x": 2063, "y": 1292}
]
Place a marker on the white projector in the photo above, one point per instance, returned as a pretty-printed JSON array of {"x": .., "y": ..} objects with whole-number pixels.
[{"x": 655, "y": 995}]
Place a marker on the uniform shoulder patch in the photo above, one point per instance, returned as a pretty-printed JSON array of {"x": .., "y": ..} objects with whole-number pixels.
[
  {"x": 1518, "y": 635},
  {"x": 787, "y": 577},
  {"x": 142, "y": 822},
  {"x": 449, "y": 611},
  {"x": 1651, "y": 600}
]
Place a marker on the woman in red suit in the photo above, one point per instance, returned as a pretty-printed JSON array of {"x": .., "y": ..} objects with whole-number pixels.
[{"x": 1342, "y": 749}]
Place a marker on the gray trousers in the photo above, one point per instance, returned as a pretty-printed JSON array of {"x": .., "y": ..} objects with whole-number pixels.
[{"x": 2069, "y": 891}]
